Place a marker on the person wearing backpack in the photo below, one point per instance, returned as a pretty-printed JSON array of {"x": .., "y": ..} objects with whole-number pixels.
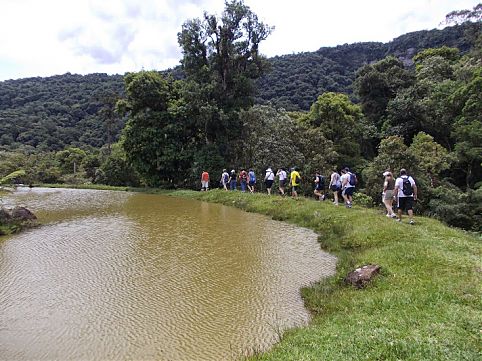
[
  {"x": 252, "y": 180},
  {"x": 243, "y": 179},
  {"x": 225, "y": 179},
  {"x": 406, "y": 189},
  {"x": 232, "y": 180},
  {"x": 281, "y": 173},
  {"x": 319, "y": 191},
  {"x": 348, "y": 182},
  {"x": 295, "y": 180}
]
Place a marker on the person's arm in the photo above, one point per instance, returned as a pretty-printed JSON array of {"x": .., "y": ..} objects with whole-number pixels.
[
  {"x": 385, "y": 186},
  {"x": 414, "y": 191}
]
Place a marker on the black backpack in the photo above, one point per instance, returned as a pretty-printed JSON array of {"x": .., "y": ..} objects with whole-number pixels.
[
  {"x": 407, "y": 188},
  {"x": 352, "y": 180}
]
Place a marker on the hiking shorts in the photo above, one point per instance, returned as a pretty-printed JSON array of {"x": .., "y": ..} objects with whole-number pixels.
[
  {"x": 295, "y": 189},
  {"x": 348, "y": 191},
  {"x": 388, "y": 195},
  {"x": 269, "y": 183},
  {"x": 282, "y": 183},
  {"x": 405, "y": 203},
  {"x": 252, "y": 183}
]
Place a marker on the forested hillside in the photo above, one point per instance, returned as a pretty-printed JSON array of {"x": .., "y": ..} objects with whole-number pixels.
[
  {"x": 74, "y": 110},
  {"x": 296, "y": 80}
]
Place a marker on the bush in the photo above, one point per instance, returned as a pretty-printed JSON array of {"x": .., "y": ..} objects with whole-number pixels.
[{"x": 456, "y": 208}]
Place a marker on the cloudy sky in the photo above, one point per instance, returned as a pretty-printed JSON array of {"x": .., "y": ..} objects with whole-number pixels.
[{"x": 48, "y": 37}]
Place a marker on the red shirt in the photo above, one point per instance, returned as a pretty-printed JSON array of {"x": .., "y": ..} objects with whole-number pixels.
[{"x": 205, "y": 176}]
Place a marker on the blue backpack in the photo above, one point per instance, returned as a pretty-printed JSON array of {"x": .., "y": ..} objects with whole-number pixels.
[{"x": 252, "y": 177}]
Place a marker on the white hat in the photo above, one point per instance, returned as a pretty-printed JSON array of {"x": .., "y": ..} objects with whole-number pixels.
[{"x": 386, "y": 173}]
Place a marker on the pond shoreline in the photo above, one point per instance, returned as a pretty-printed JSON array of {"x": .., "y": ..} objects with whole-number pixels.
[{"x": 429, "y": 276}]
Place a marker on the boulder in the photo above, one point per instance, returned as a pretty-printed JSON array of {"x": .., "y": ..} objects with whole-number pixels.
[
  {"x": 22, "y": 214},
  {"x": 361, "y": 276},
  {"x": 5, "y": 217}
]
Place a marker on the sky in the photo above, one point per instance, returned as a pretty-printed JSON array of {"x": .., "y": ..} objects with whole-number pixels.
[{"x": 49, "y": 37}]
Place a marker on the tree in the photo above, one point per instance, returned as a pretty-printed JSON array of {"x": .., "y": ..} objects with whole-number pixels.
[
  {"x": 221, "y": 59},
  {"x": 431, "y": 157},
  {"x": 376, "y": 84},
  {"x": 157, "y": 136},
  {"x": 339, "y": 121}
]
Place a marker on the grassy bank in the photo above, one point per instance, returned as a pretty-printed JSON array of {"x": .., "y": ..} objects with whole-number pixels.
[{"x": 425, "y": 305}]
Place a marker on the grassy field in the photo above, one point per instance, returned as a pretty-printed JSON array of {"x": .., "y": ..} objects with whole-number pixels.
[{"x": 425, "y": 305}]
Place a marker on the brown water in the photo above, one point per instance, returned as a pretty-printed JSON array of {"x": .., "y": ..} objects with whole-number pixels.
[{"x": 125, "y": 276}]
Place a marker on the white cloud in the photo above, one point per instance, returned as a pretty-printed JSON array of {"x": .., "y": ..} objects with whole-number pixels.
[{"x": 41, "y": 38}]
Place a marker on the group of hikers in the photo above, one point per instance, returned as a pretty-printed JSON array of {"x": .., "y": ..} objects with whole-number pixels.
[{"x": 402, "y": 189}]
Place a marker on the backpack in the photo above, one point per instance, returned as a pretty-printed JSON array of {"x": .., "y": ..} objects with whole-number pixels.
[
  {"x": 252, "y": 177},
  {"x": 353, "y": 181},
  {"x": 407, "y": 188},
  {"x": 321, "y": 182},
  {"x": 297, "y": 179}
]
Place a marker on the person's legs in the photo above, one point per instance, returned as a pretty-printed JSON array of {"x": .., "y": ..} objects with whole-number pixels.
[
  {"x": 388, "y": 207},
  {"x": 317, "y": 194},
  {"x": 335, "y": 196}
]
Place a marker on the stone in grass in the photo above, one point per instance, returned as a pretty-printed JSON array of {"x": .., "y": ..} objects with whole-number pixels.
[
  {"x": 4, "y": 216},
  {"x": 22, "y": 214},
  {"x": 362, "y": 275}
]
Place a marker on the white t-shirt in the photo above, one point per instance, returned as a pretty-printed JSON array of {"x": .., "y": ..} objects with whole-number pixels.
[
  {"x": 335, "y": 179},
  {"x": 282, "y": 175},
  {"x": 269, "y": 175},
  {"x": 346, "y": 177},
  {"x": 399, "y": 184}
]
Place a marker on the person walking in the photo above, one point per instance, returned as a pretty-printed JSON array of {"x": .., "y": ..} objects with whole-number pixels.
[
  {"x": 243, "y": 180},
  {"x": 335, "y": 185},
  {"x": 406, "y": 190},
  {"x": 281, "y": 173},
  {"x": 251, "y": 180},
  {"x": 269, "y": 179},
  {"x": 225, "y": 179},
  {"x": 319, "y": 181},
  {"x": 232, "y": 180},
  {"x": 204, "y": 181},
  {"x": 295, "y": 181},
  {"x": 348, "y": 181},
  {"x": 388, "y": 194}
]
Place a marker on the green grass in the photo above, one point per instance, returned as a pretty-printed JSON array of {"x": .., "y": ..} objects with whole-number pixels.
[{"x": 425, "y": 305}]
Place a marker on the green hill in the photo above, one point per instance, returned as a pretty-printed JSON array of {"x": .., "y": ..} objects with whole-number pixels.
[{"x": 64, "y": 110}]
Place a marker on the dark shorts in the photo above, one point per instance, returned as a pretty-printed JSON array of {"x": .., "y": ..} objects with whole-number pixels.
[
  {"x": 251, "y": 184},
  {"x": 295, "y": 188},
  {"x": 334, "y": 188},
  {"x": 405, "y": 203},
  {"x": 348, "y": 191},
  {"x": 282, "y": 183},
  {"x": 269, "y": 183}
]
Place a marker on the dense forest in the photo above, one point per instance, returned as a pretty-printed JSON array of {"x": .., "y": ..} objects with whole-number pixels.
[
  {"x": 69, "y": 110},
  {"x": 415, "y": 102}
]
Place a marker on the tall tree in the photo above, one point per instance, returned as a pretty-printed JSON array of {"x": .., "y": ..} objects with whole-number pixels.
[{"x": 221, "y": 56}]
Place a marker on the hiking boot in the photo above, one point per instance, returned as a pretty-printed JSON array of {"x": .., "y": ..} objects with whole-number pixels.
[
  {"x": 398, "y": 220},
  {"x": 411, "y": 221}
]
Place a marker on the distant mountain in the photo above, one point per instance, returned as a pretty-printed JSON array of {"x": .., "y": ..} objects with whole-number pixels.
[
  {"x": 53, "y": 112},
  {"x": 296, "y": 80}
]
